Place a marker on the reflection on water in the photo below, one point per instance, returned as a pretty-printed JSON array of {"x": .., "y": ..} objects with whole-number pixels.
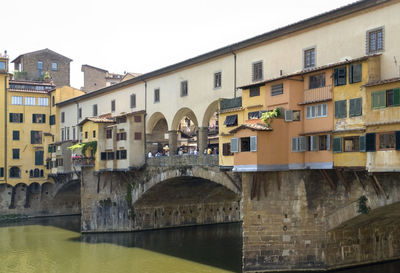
[{"x": 54, "y": 245}]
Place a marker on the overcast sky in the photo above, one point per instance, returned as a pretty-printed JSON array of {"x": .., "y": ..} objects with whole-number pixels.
[{"x": 142, "y": 36}]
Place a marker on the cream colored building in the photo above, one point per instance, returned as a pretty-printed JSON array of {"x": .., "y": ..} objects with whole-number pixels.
[{"x": 193, "y": 87}]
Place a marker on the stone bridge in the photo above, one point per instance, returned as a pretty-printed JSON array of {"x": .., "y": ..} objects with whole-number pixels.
[{"x": 168, "y": 192}]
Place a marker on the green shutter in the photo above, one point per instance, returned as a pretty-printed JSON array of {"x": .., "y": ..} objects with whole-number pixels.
[
  {"x": 337, "y": 144},
  {"x": 355, "y": 107},
  {"x": 340, "y": 109},
  {"x": 397, "y": 134},
  {"x": 21, "y": 118},
  {"x": 362, "y": 144},
  {"x": 378, "y": 99},
  {"x": 337, "y": 109},
  {"x": 370, "y": 141},
  {"x": 396, "y": 95},
  {"x": 39, "y": 158}
]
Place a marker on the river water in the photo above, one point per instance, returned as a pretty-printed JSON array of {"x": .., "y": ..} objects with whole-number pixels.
[{"x": 54, "y": 245}]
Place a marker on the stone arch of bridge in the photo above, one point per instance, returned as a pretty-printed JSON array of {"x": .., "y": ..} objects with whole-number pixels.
[
  {"x": 154, "y": 119},
  {"x": 180, "y": 114},
  {"x": 216, "y": 177},
  {"x": 211, "y": 109}
]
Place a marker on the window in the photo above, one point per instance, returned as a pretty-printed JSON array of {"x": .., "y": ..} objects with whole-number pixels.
[
  {"x": 254, "y": 115},
  {"x": 109, "y": 133},
  {"x": 30, "y": 101},
  {"x": 138, "y": 136},
  {"x": 39, "y": 158},
  {"x": 110, "y": 155},
  {"x": 385, "y": 98},
  {"x": 15, "y": 172},
  {"x": 62, "y": 117},
  {"x": 121, "y": 136},
  {"x": 226, "y": 149},
  {"x": 375, "y": 41},
  {"x": 94, "y": 133},
  {"x": 184, "y": 88},
  {"x": 157, "y": 95},
  {"x": 95, "y": 110},
  {"x": 16, "y": 117},
  {"x": 277, "y": 89},
  {"x": 121, "y": 119},
  {"x": 351, "y": 144},
  {"x": 292, "y": 115},
  {"x": 3, "y": 67},
  {"x": 15, "y": 153},
  {"x": 15, "y": 135},
  {"x": 54, "y": 66},
  {"x": 309, "y": 58},
  {"x": 324, "y": 142},
  {"x": 103, "y": 156},
  {"x": 317, "y": 111},
  {"x": 40, "y": 68},
  {"x": 137, "y": 118},
  {"x": 113, "y": 106},
  {"x": 80, "y": 112},
  {"x": 73, "y": 132},
  {"x": 43, "y": 101},
  {"x": 355, "y": 107},
  {"x": 245, "y": 144},
  {"x": 67, "y": 133},
  {"x": 62, "y": 134},
  {"x": 254, "y": 91},
  {"x": 257, "y": 71},
  {"x": 341, "y": 109},
  {"x": 231, "y": 121},
  {"x": 234, "y": 145},
  {"x": 86, "y": 135},
  {"x": 217, "y": 80},
  {"x": 318, "y": 143},
  {"x": 340, "y": 76},
  {"x": 121, "y": 154},
  {"x": 299, "y": 144},
  {"x": 355, "y": 73},
  {"x": 133, "y": 100},
  {"x": 38, "y": 118},
  {"x": 317, "y": 81},
  {"x": 59, "y": 162},
  {"x": 16, "y": 100},
  {"x": 36, "y": 137},
  {"x": 253, "y": 144},
  {"x": 1, "y": 172},
  {"x": 337, "y": 145},
  {"x": 387, "y": 141},
  {"x": 52, "y": 119}
]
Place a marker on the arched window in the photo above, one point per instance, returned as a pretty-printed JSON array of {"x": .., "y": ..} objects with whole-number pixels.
[
  {"x": 36, "y": 173},
  {"x": 15, "y": 172}
]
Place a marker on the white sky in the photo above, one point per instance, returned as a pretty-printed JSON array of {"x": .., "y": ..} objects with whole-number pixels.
[{"x": 142, "y": 36}]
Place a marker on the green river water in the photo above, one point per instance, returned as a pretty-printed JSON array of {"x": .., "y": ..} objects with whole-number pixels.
[{"x": 54, "y": 245}]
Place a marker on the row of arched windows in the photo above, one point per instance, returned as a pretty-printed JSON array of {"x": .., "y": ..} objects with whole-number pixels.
[{"x": 15, "y": 172}]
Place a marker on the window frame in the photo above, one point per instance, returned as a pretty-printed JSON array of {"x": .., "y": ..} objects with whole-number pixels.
[
  {"x": 15, "y": 154},
  {"x": 133, "y": 100},
  {"x": 309, "y": 60},
  {"x": 376, "y": 49},
  {"x": 54, "y": 66},
  {"x": 217, "y": 80},
  {"x": 113, "y": 106},
  {"x": 156, "y": 95},
  {"x": 276, "y": 89},
  {"x": 257, "y": 71},
  {"x": 95, "y": 110},
  {"x": 322, "y": 78},
  {"x": 184, "y": 88},
  {"x": 379, "y": 140},
  {"x": 340, "y": 76},
  {"x": 317, "y": 110}
]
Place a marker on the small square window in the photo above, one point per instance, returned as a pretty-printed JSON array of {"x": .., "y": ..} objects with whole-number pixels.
[
  {"x": 113, "y": 106},
  {"x": 15, "y": 135},
  {"x": 15, "y": 153},
  {"x": 54, "y": 66},
  {"x": 133, "y": 100},
  {"x": 157, "y": 95},
  {"x": 277, "y": 89},
  {"x": 375, "y": 42},
  {"x": 387, "y": 141},
  {"x": 254, "y": 91},
  {"x": 138, "y": 136},
  {"x": 317, "y": 81},
  {"x": 184, "y": 88}
]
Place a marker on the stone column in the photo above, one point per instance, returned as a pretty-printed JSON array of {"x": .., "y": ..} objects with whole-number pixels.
[
  {"x": 202, "y": 139},
  {"x": 173, "y": 141}
]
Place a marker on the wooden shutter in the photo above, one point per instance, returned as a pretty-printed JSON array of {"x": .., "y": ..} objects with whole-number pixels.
[
  {"x": 396, "y": 97},
  {"x": 378, "y": 99},
  {"x": 337, "y": 144},
  {"x": 397, "y": 134},
  {"x": 355, "y": 107},
  {"x": 362, "y": 143},
  {"x": 370, "y": 142},
  {"x": 314, "y": 143},
  {"x": 328, "y": 142},
  {"x": 288, "y": 115},
  {"x": 234, "y": 145},
  {"x": 253, "y": 143},
  {"x": 294, "y": 144},
  {"x": 340, "y": 109}
]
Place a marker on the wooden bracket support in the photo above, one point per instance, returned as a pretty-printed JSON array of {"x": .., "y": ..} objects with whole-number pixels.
[
  {"x": 328, "y": 178},
  {"x": 341, "y": 177},
  {"x": 358, "y": 179},
  {"x": 379, "y": 186}
]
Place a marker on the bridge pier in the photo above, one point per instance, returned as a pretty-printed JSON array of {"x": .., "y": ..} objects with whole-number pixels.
[
  {"x": 202, "y": 138},
  {"x": 173, "y": 141}
]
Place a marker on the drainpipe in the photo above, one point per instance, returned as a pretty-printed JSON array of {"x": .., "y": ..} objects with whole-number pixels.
[
  {"x": 5, "y": 129},
  {"x": 144, "y": 119},
  {"x": 234, "y": 73}
]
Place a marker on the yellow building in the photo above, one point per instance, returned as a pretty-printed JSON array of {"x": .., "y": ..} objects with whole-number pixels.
[
  {"x": 3, "y": 117},
  {"x": 351, "y": 108},
  {"x": 382, "y": 120}
]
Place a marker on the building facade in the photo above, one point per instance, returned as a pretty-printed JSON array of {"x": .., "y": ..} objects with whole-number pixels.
[{"x": 95, "y": 78}]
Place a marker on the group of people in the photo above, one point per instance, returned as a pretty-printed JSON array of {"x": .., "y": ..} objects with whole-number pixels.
[{"x": 183, "y": 150}]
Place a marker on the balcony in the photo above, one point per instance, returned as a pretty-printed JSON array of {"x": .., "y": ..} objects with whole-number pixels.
[
  {"x": 83, "y": 161},
  {"x": 317, "y": 95}
]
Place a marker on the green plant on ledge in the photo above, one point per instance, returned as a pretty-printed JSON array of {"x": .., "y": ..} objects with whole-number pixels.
[
  {"x": 362, "y": 205},
  {"x": 268, "y": 117},
  {"x": 92, "y": 145}
]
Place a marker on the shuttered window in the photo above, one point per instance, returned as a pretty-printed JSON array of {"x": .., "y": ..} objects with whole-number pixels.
[
  {"x": 231, "y": 121},
  {"x": 378, "y": 99},
  {"x": 52, "y": 119},
  {"x": 276, "y": 89},
  {"x": 396, "y": 97},
  {"x": 254, "y": 91},
  {"x": 103, "y": 156},
  {"x": 15, "y": 153},
  {"x": 254, "y": 115},
  {"x": 112, "y": 105},
  {"x": 397, "y": 140},
  {"x": 355, "y": 107},
  {"x": 340, "y": 76},
  {"x": 288, "y": 115},
  {"x": 299, "y": 144},
  {"x": 1, "y": 172},
  {"x": 226, "y": 149},
  {"x": 15, "y": 135},
  {"x": 257, "y": 71},
  {"x": 157, "y": 95},
  {"x": 36, "y": 137},
  {"x": 340, "y": 109},
  {"x": 133, "y": 100},
  {"x": 370, "y": 142},
  {"x": 355, "y": 73},
  {"x": 253, "y": 144},
  {"x": 38, "y": 118},
  {"x": 337, "y": 144},
  {"x": 234, "y": 145},
  {"x": 39, "y": 157},
  {"x": 17, "y": 117},
  {"x": 362, "y": 143}
]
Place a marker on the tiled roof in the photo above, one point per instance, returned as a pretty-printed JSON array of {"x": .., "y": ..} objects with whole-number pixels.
[
  {"x": 252, "y": 126},
  {"x": 397, "y": 79},
  {"x": 96, "y": 120}
]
